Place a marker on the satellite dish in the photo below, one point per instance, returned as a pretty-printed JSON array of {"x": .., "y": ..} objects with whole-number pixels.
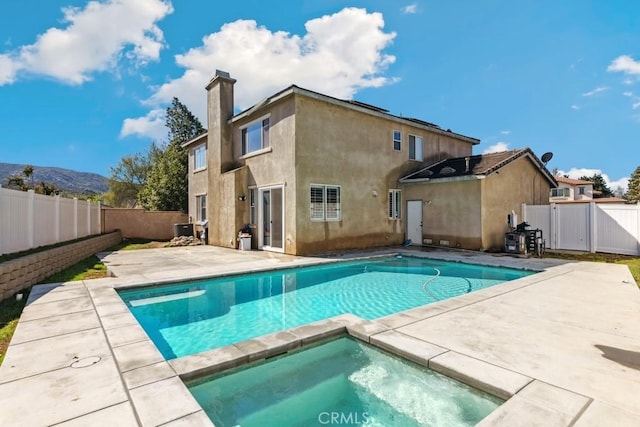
[{"x": 546, "y": 157}]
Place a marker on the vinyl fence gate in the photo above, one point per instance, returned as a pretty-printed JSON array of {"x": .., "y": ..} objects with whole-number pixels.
[{"x": 588, "y": 227}]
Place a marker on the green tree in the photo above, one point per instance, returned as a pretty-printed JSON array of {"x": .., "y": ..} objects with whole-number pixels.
[
  {"x": 46, "y": 188},
  {"x": 16, "y": 182},
  {"x": 599, "y": 184},
  {"x": 21, "y": 182},
  {"x": 129, "y": 176},
  {"x": 28, "y": 173},
  {"x": 633, "y": 190},
  {"x": 167, "y": 185}
]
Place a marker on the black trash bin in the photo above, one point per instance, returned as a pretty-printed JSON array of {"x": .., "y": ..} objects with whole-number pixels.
[{"x": 183, "y": 229}]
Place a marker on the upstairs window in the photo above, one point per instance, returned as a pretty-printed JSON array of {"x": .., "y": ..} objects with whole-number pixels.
[
  {"x": 325, "y": 203},
  {"x": 255, "y": 136},
  {"x": 395, "y": 204},
  {"x": 415, "y": 148},
  {"x": 397, "y": 140},
  {"x": 560, "y": 192},
  {"x": 200, "y": 157},
  {"x": 581, "y": 190}
]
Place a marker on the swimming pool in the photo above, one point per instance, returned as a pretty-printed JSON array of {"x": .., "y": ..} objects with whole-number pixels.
[
  {"x": 192, "y": 317},
  {"x": 341, "y": 382}
]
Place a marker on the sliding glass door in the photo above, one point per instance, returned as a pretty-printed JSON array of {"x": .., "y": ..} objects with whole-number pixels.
[{"x": 271, "y": 233}]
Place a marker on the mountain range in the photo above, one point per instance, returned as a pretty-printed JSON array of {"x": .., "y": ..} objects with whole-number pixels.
[{"x": 66, "y": 180}]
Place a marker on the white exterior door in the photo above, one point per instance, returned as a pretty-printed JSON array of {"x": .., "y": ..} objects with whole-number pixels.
[{"x": 414, "y": 221}]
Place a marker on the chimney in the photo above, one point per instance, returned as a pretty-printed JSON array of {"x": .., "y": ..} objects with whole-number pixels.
[
  {"x": 466, "y": 164},
  {"x": 219, "y": 111}
]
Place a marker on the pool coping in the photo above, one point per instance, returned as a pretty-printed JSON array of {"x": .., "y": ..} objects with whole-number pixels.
[{"x": 142, "y": 370}]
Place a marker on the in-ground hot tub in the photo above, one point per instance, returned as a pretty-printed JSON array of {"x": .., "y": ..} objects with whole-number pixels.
[{"x": 340, "y": 382}]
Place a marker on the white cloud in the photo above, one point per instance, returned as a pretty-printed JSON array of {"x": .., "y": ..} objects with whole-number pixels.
[
  {"x": 595, "y": 91},
  {"x": 625, "y": 64},
  {"x": 7, "y": 70},
  {"x": 151, "y": 125},
  {"x": 338, "y": 55},
  {"x": 410, "y": 8},
  {"x": 95, "y": 39},
  {"x": 627, "y": 93},
  {"x": 576, "y": 173},
  {"x": 496, "y": 148},
  {"x": 505, "y": 132},
  {"x": 575, "y": 107}
]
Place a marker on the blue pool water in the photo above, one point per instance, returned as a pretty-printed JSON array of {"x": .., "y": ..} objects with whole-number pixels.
[
  {"x": 342, "y": 382},
  {"x": 191, "y": 317}
]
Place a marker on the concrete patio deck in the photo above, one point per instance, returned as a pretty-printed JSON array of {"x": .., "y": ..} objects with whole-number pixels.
[{"x": 562, "y": 345}]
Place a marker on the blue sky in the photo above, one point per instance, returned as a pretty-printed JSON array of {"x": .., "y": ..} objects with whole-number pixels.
[{"x": 83, "y": 84}]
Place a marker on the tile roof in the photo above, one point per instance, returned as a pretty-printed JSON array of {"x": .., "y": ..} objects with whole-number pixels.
[
  {"x": 572, "y": 181},
  {"x": 481, "y": 164}
]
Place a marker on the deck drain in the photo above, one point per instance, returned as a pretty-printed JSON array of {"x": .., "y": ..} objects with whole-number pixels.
[{"x": 86, "y": 362}]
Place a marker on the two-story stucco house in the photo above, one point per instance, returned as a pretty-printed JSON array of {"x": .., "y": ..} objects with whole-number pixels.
[
  {"x": 310, "y": 173},
  {"x": 571, "y": 189},
  {"x": 578, "y": 191}
]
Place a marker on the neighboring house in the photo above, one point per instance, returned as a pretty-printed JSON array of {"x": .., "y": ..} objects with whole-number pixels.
[
  {"x": 310, "y": 173},
  {"x": 578, "y": 191},
  {"x": 571, "y": 189},
  {"x": 464, "y": 202}
]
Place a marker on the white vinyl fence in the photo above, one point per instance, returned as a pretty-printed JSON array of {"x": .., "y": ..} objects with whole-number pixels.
[
  {"x": 589, "y": 227},
  {"x": 29, "y": 220}
]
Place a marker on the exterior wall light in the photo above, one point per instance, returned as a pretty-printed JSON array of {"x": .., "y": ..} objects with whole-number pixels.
[{"x": 242, "y": 197}]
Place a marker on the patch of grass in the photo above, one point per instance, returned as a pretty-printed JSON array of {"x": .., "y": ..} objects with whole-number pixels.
[
  {"x": 133, "y": 244},
  {"x": 88, "y": 268},
  {"x": 10, "y": 308},
  {"x": 634, "y": 266}
]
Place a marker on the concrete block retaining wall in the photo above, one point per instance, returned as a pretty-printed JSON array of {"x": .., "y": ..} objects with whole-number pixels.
[{"x": 20, "y": 273}]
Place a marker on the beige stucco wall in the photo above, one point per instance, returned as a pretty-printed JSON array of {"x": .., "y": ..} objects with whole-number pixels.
[
  {"x": 311, "y": 142},
  {"x": 141, "y": 224},
  {"x": 275, "y": 167},
  {"x": 472, "y": 213},
  {"x": 229, "y": 215},
  {"x": 451, "y": 212},
  {"x": 198, "y": 181},
  {"x": 516, "y": 183},
  {"x": 340, "y": 146}
]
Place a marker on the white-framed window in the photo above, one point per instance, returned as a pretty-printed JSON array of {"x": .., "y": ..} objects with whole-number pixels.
[
  {"x": 560, "y": 192},
  {"x": 581, "y": 190},
  {"x": 397, "y": 140},
  {"x": 395, "y": 204},
  {"x": 255, "y": 136},
  {"x": 415, "y": 148},
  {"x": 201, "y": 207},
  {"x": 253, "y": 218},
  {"x": 200, "y": 157},
  {"x": 325, "y": 203}
]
